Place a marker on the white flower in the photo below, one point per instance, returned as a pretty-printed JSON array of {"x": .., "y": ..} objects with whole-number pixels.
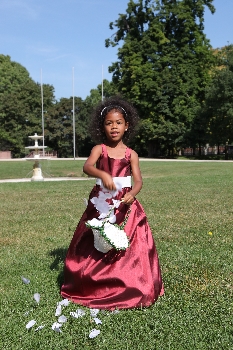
[
  {"x": 103, "y": 195},
  {"x": 95, "y": 222},
  {"x": 62, "y": 319},
  {"x": 116, "y": 203},
  {"x": 30, "y": 324},
  {"x": 80, "y": 312},
  {"x": 94, "y": 332},
  {"x": 116, "y": 311},
  {"x": 58, "y": 310},
  {"x": 64, "y": 302},
  {"x": 117, "y": 237},
  {"x": 37, "y": 297},
  {"x": 101, "y": 204},
  {"x": 25, "y": 280},
  {"x": 112, "y": 219},
  {"x": 97, "y": 320},
  {"x": 56, "y": 327},
  {"x": 94, "y": 312}
]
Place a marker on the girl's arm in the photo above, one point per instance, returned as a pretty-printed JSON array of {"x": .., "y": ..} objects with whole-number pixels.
[
  {"x": 90, "y": 169},
  {"x": 137, "y": 179}
]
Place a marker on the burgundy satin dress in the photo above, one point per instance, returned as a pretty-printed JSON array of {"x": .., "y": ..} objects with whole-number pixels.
[{"x": 117, "y": 279}]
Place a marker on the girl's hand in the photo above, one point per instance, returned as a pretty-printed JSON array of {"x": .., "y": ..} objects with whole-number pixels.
[
  {"x": 108, "y": 182},
  {"x": 128, "y": 198}
]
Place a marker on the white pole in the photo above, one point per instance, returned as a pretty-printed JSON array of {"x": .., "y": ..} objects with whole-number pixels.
[
  {"x": 102, "y": 82},
  {"x": 42, "y": 109},
  {"x": 73, "y": 117}
]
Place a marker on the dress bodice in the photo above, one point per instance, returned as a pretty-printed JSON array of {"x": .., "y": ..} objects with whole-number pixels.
[{"x": 115, "y": 167}]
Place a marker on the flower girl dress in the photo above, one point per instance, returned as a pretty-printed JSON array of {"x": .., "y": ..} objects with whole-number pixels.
[{"x": 118, "y": 278}]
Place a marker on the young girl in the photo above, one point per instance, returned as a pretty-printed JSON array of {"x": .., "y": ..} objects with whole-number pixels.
[{"x": 119, "y": 279}]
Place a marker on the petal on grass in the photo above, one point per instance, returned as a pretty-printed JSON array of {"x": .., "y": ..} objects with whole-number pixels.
[
  {"x": 58, "y": 310},
  {"x": 80, "y": 312},
  {"x": 97, "y": 320},
  {"x": 56, "y": 327},
  {"x": 25, "y": 280},
  {"x": 64, "y": 302},
  {"x": 39, "y": 328},
  {"x": 37, "y": 297},
  {"x": 94, "y": 332},
  {"x": 115, "y": 311},
  {"x": 30, "y": 324},
  {"x": 62, "y": 319},
  {"x": 94, "y": 312}
]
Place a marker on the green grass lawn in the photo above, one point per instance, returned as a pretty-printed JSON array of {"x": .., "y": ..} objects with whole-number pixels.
[{"x": 190, "y": 210}]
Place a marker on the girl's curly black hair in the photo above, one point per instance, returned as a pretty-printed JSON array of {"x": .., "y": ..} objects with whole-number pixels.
[{"x": 102, "y": 109}]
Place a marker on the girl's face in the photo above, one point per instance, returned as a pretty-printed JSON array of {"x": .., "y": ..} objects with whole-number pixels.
[{"x": 115, "y": 126}]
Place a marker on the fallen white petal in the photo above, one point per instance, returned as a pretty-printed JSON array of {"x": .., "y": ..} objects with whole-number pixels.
[
  {"x": 37, "y": 297},
  {"x": 56, "y": 327},
  {"x": 80, "y": 312},
  {"x": 94, "y": 312},
  {"x": 85, "y": 201},
  {"x": 115, "y": 311},
  {"x": 30, "y": 324},
  {"x": 97, "y": 320},
  {"x": 64, "y": 302},
  {"x": 39, "y": 328},
  {"x": 58, "y": 310},
  {"x": 25, "y": 280},
  {"x": 94, "y": 332},
  {"x": 62, "y": 319},
  {"x": 74, "y": 314}
]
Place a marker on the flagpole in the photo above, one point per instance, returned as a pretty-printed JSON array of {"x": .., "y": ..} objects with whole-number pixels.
[
  {"x": 102, "y": 82},
  {"x": 73, "y": 113},
  {"x": 42, "y": 108}
]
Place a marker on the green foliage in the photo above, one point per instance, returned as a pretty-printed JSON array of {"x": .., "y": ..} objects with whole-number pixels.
[
  {"x": 219, "y": 100},
  {"x": 20, "y": 106},
  {"x": 59, "y": 126},
  {"x": 185, "y": 202},
  {"x": 163, "y": 64}
]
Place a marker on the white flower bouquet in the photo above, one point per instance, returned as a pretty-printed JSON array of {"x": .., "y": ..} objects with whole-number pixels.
[{"x": 107, "y": 234}]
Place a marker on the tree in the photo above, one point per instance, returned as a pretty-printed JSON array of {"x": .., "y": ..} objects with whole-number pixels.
[
  {"x": 163, "y": 66},
  {"x": 59, "y": 126},
  {"x": 219, "y": 100},
  {"x": 20, "y": 106}
]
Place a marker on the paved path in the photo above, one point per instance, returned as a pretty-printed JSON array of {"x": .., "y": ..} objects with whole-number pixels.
[{"x": 46, "y": 179}]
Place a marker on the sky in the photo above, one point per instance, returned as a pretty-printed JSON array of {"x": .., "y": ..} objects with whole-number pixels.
[{"x": 62, "y": 42}]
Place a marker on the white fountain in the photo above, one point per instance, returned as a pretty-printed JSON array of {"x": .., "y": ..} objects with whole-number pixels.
[{"x": 36, "y": 173}]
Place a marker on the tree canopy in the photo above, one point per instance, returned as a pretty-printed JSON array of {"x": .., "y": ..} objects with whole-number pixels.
[
  {"x": 20, "y": 106},
  {"x": 163, "y": 66},
  {"x": 219, "y": 99}
]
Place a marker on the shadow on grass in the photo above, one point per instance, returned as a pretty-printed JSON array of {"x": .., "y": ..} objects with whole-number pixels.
[{"x": 59, "y": 255}]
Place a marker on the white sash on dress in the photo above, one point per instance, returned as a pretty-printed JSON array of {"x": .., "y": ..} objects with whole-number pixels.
[{"x": 123, "y": 181}]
